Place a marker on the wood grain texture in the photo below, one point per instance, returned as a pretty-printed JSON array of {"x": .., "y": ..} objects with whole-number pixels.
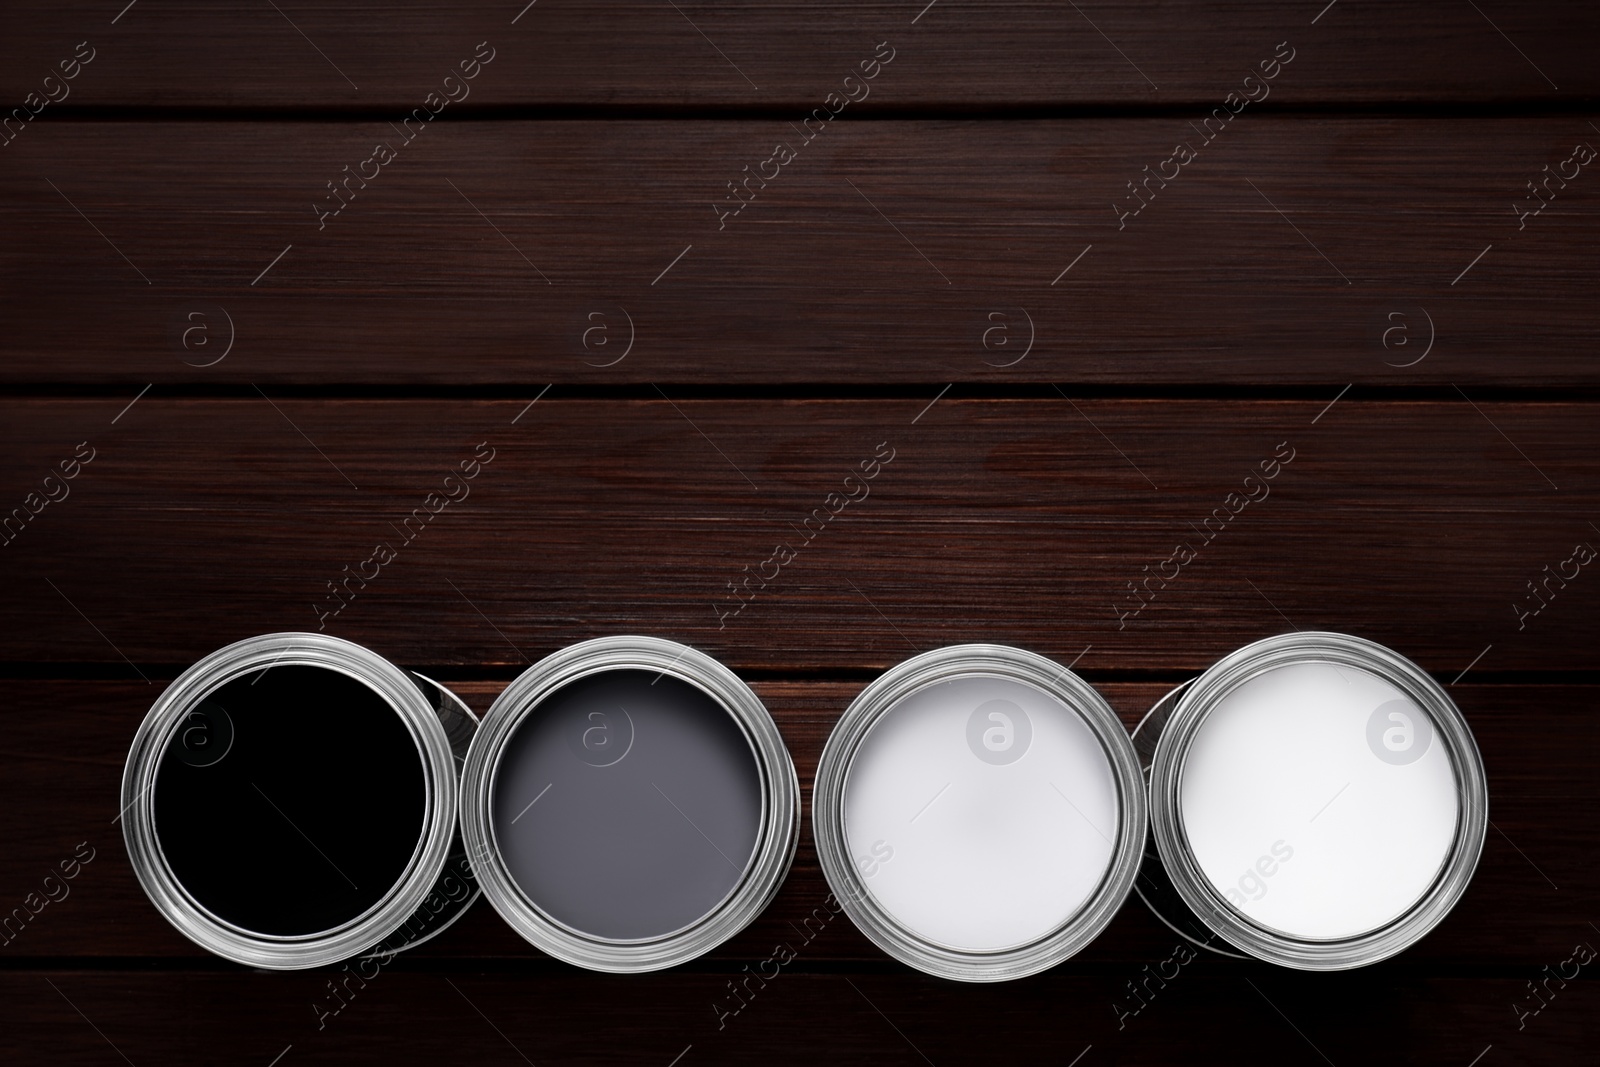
[
  {"x": 950, "y": 55},
  {"x": 670, "y": 391},
  {"x": 201, "y": 521},
  {"x": 68, "y": 740},
  {"x": 1291, "y": 251},
  {"x": 515, "y": 1018}
]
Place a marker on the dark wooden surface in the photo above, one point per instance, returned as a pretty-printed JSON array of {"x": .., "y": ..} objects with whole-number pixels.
[
  {"x": 1012, "y": 520},
  {"x": 1342, "y": 272},
  {"x": 878, "y": 255},
  {"x": 193, "y": 54}
]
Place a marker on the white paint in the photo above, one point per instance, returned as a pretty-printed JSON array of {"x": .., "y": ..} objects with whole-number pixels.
[
  {"x": 1296, "y": 818},
  {"x": 971, "y": 854}
]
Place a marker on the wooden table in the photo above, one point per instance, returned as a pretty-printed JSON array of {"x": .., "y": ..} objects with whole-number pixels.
[{"x": 682, "y": 267}]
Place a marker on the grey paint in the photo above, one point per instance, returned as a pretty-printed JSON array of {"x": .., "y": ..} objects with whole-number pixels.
[{"x": 627, "y": 805}]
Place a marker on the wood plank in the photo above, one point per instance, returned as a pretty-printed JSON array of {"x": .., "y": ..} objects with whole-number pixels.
[
  {"x": 201, "y": 521},
  {"x": 67, "y": 741},
  {"x": 1290, "y": 251},
  {"x": 189, "y": 53},
  {"x": 515, "y": 1018},
  {"x": 163, "y": 258}
]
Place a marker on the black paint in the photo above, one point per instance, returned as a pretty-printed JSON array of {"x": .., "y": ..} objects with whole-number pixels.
[{"x": 308, "y": 818}]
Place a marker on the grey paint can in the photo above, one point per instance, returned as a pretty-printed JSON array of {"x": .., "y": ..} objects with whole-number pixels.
[{"x": 629, "y": 804}]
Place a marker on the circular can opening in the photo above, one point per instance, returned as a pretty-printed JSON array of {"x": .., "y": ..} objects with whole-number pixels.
[
  {"x": 1317, "y": 801},
  {"x": 289, "y": 802},
  {"x": 979, "y": 813},
  {"x": 629, "y": 804}
]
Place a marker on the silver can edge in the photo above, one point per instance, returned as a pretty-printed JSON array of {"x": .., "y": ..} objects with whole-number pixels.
[
  {"x": 780, "y": 815},
  {"x": 849, "y": 888},
  {"x": 243, "y": 657},
  {"x": 1195, "y": 889}
]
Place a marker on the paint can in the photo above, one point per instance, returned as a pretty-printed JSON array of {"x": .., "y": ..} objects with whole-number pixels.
[
  {"x": 1316, "y": 800},
  {"x": 979, "y": 813},
  {"x": 290, "y": 801},
  {"x": 628, "y": 804}
]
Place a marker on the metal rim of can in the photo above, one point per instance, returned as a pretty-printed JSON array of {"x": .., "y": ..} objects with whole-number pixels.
[
  {"x": 455, "y": 857},
  {"x": 1196, "y": 702},
  {"x": 850, "y": 888},
  {"x": 779, "y": 818},
  {"x": 278, "y": 952},
  {"x": 1154, "y": 884}
]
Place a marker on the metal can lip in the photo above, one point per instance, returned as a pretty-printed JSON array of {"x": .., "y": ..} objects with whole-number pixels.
[
  {"x": 779, "y": 817},
  {"x": 1154, "y": 886},
  {"x": 1174, "y": 735},
  {"x": 275, "y": 952},
  {"x": 850, "y": 888}
]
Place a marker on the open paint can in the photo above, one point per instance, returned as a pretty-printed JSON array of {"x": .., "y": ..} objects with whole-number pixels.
[
  {"x": 629, "y": 804},
  {"x": 979, "y": 813},
  {"x": 1316, "y": 801},
  {"x": 290, "y": 801}
]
